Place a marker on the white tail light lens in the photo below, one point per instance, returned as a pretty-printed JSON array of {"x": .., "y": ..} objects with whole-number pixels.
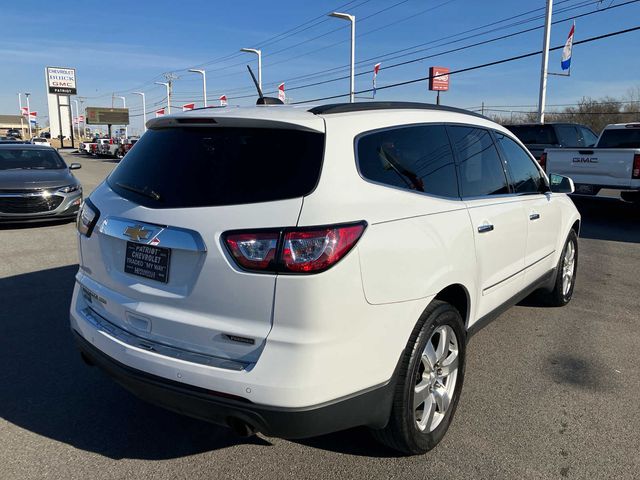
[{"x": 254, "y": 251}]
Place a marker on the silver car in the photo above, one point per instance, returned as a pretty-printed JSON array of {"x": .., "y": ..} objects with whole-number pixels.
[{"x": 36, "y": 184}]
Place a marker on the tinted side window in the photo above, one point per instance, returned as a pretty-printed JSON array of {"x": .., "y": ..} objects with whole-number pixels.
[
  {"x": 479, "y": 166},
  {"x": 416, "y": 158},
  {"x": 568, "y": 136},
  {"x": 525, "y": 176},
  {"x": 590, "y": 138}
]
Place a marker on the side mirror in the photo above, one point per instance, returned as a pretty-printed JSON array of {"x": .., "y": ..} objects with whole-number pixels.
[
  {"x": 561, "y": 184},
  {"x": 75, "y": 166}
]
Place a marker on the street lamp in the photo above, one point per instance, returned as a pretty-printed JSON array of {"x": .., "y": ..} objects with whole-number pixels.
[
  {"x": 124, "y": 105},
  {"x": 144, "y": 110},
  {"x": 204, "y": 83},
  {"x": 352, "y": 19},
  {"x": 29, "y": 114},
  {"x": 77, "y": 119},
  {"x": 259, "y": 53},
  {"x": 168, "y": 87}
]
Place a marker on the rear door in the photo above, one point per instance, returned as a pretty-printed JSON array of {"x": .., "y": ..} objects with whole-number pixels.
[
  {"x": 156, "y": 254},
  {"x": 496, "y": 215}
]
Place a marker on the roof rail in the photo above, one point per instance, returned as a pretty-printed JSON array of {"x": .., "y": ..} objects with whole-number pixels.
[{"x": 366, "y": 106}]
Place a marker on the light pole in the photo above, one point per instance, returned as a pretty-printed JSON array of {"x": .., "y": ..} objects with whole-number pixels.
[
  {"x": 545, "y": 62},
  {"x": 352, "y": 19},
  {"x": 28, "y": 114},
  {"x": 144, "y": 110},
  {"x": 259, "y": 53},
  {"x": 204, "y": 83},
  {"x": 77, "y": 120},
  {"x": 166, "y": 84},
  {"x": 124, "y": 105},
  {"x": 20, "y": 103}
]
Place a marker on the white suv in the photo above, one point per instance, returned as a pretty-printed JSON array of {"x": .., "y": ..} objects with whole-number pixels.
[{"x": 298, "y": 271}]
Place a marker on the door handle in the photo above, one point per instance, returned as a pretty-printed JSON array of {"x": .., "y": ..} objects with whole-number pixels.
[
  {"x": 534, "y": 216},
  {"x": 486, "y": 227}
]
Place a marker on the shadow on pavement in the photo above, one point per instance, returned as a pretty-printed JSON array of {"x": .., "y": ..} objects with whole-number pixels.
[
  {"x": 46, "y": 388},
  {"x": 609, "y": 219},
  {"x": 4, "y": 225}
]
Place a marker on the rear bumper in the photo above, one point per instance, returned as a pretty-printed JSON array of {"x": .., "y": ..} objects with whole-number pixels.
[{"x": 369, "y": 408}]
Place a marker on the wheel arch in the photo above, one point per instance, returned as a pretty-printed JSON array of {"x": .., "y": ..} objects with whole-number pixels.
[{"x": 458, "y": 296}]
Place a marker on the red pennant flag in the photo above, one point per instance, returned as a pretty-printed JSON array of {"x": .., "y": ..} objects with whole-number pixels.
[
  {"x": 188, "y": 106},
  {"x": 223, "y": 100},
  {"x": 159, "y": 113},
  {"x": 281, "y": 94}
]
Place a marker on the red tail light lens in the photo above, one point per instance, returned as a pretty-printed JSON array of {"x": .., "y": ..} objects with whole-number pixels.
[
  {"x": 635, "y": 173},
  {"x": 253, "y": 251},
  {"x": 316, "y": 250},
  {"x": 293, "y": 250},
  {"x": 543, "y": 161}
]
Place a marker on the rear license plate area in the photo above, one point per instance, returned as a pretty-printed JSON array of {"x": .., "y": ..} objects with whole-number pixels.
[{"x": 147, "y": 261}]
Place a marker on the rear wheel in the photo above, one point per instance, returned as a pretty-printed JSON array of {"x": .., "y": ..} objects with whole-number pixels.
[
  {"x": 429, "y": 382},
  {"x": 566, "y": 273}
]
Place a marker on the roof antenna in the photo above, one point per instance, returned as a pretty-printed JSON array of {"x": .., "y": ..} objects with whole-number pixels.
[{"x": 262, "y": 100}]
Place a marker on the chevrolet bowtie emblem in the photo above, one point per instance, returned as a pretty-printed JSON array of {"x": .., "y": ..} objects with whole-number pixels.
[{"x": 137, "y": 233}]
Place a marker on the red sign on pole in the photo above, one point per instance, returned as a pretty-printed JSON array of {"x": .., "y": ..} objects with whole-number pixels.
[{"x": 438, "y": 78}]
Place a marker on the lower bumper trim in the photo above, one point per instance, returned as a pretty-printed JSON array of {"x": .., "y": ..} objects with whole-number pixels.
[{"x": 369, "y": 408}]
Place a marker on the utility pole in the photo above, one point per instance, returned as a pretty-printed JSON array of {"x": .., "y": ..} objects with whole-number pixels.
[
  {"x": 483, "y": 109},
  {"x": 545, "y": 62},
  {"x": 84, "y": 123},
  {"x": 77, "y": 120},
  {"x": 352, "y": 77}
]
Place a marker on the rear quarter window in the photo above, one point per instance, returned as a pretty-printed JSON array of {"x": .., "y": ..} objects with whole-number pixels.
[
  {"x": 416, "y": 157},
  {"x": 215, "y": 166},
  {"x": 620, "y": 138}
]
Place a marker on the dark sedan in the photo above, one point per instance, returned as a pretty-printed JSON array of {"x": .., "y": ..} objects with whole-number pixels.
[{"x": 36, "y": 184}]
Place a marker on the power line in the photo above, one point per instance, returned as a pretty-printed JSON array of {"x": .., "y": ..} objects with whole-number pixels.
[{"x": 476, "y": 67}]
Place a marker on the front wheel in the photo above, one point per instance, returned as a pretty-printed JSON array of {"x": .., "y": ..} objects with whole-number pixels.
[{"x": 429, "y": 382}]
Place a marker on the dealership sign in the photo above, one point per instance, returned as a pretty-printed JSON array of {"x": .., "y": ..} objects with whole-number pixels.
[
  {"x": 438, "y": 78},
  {"x": 61, "y": 81}
]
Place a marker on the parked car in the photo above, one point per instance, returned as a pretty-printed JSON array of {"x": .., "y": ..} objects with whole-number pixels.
[
  {"x": 124, "y": 147},
  {"x": 537, "y": 137},
  {"x": 613, "y": 163},
  {"x": 36, "y": 184},
  {"x": 103, "y": 147},
  {"x": 11, "y": 140},
  {"x": 40, "y": 141},
  {"x": 306, "y": 271},
  {"x": 14, "y": 132}
]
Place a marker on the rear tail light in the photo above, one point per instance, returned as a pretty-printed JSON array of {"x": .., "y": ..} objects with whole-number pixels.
[
  {"x": 543, "y": 161},
  {"x": 293, "y": 250},
  {"x": 635, "y": 173},
  {"x": 87, "y": 218}
]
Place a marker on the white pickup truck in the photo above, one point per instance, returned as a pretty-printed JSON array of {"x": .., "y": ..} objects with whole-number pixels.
[{"x": 613, "y": 163}]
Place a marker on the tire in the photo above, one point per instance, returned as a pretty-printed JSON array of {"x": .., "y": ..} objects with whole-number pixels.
[
  {"x": 412, "y": 430},
  {"x": 562, "y": 292}
]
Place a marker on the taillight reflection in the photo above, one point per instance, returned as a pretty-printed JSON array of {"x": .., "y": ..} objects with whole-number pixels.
[{"x": 253, "y": 251}]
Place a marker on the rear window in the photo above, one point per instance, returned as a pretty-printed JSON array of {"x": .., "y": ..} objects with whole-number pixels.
[
  {"x": 534, "y": 134},
  {"x": 200, "y": 167},
  {"x": 620, "y": 138}
]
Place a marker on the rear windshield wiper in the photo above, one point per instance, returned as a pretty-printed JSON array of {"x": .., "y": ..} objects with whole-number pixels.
[{"x": 141, "y": 191}]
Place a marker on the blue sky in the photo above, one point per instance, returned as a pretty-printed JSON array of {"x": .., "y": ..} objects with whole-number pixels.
[{"x": 122, "y": 46}]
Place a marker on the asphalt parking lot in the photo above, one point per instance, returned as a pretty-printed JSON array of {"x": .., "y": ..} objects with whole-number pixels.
[{"x": 549, "y": 393}]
